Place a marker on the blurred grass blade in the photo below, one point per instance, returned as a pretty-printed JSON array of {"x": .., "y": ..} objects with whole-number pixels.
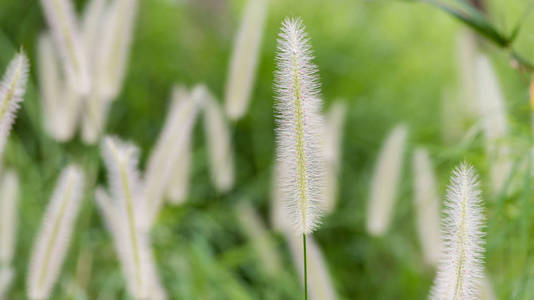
[{"x": 474, "y": 19}]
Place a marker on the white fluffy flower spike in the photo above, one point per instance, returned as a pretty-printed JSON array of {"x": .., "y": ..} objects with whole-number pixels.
[
  {"x": 245, "y": 59},
  {"x": 460, "y": 271},
  {"x": 53, "y": 239},
  {"x": 299, "y": 126},
  {"x": 12, "y": 89},
  {"x": 64, "y": 25}
]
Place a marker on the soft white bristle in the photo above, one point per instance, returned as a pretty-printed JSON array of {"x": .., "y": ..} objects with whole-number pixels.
[
  {"x": 299, "y": 126},
  {"x": 12, "y": 89},
  {"x": 53, "y": 239},
  {"x": 260, "y": 238},
  {"x": 219, "y": 143},
  {"x": 460, "y": 271},
  {"x": 114, "y": 49},
  {"x": 171, "y": 142},
  {"x": 385, "y": 180},
  {"x": 333, "y": 136},
  {"x": 244, "y": 60},
  {"x": 280, "y": 217},
  {"x": 8, "y": 217},
  {"x": 126, "y": 216},
  {"x": 320, "y": 282},
  {"x": 495, "y": 124},
  {"x": 63, "y": 22},
  {"x": 426, "y": 202}
]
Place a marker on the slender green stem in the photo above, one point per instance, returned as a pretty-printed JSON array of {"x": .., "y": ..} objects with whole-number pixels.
[{"x": 305, "y": 268}]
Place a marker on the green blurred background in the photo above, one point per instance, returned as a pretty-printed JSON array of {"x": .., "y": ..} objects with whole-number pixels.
[{"x": 390, "y": 60}]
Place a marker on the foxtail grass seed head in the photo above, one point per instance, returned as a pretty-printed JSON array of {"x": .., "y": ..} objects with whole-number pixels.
[
  {"x": 63, "y": 23},
  {"x": 387, "y": 172},
  {"x": 172, "y": 141},
  {"x": 219, "y": 141},
  {"x": 114, "y": 49},
  {"x": 426, "y": 202},
  {"x": 259, "y": 236},
  {"x": 12, "y": 89},
  {"x": 6, "y": 278},
  {"x": 53, "y": 239},
  {"x": 9, "y": 190},
  {"x": 178, "y": 185},
  {"x": 495, "y": 124},
  {"x": 126, "y": 215},
  {"x": 320, "y": 282},
  {"x": 467, "y": 50},
  {"x": 60, "y": 103},
  {"x": 460, "y": 271},
  {"x": 333, "y": 136},
  {"x": 299, "y": 127},
  {"x": 244, "y": 60}
]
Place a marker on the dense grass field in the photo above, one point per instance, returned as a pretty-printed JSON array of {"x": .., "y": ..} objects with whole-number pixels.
[{"x": 390, "y": 61}]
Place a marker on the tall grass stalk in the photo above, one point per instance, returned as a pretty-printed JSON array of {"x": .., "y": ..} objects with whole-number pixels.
[
  {"x": 244, "y": 60},
  {"x": 53, "y": 239},
  {"x": 299, "y": 127},
  {"x": 460, "y": 271},
  {"x": 385, "y": 181},
  {"x": 63, "y": 22}
]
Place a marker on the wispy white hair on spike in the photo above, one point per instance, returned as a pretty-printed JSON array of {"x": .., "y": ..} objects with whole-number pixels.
[
  {"x": 62, "y": 20},
  {"x": 219, "y": 143},
  {"x": 9, "y": 189},
  {"x": 460, "y": 271},
  {"x": 53, "y": 239},
  {"x": 245, "y": 59},
  {"x": 114, "y": 49},
  {"x": 129, "y": 224},
  {"x": 385, "y": 180},
  {"x": 299, "y": 126},
  {"x": 166, "y": 154},
  {"x": 426, "y": 202},
  {"x": 495, "y": 124},
  {"x": 259, "y": 237},
  {"x": 321, "y": 285},
  {"x": 333, "y": 136},
  {"x": 12, "y": 89}
]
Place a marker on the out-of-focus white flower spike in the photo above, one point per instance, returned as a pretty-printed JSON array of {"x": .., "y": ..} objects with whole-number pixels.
[
  {"x": 113, "y": 53},
  {"x": 65, "y": 29},
  {"x": 495, "y": 124},
  {"x": 242, "y": 72},
  {"x": 260, "y": 238},
  {"x": 9, "y": 190},
  {"x": 219, "y": 143},
  {"x": 6, "y": 277},
  {"x": 426, "y": 202},
  {"x": 171, "y": 143},
  {"x": 12, "y": 89},
  {"x": 53, "y": 239},
  {"x": 333, "y": 136},
  {"x": 385, "y": 180}
]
